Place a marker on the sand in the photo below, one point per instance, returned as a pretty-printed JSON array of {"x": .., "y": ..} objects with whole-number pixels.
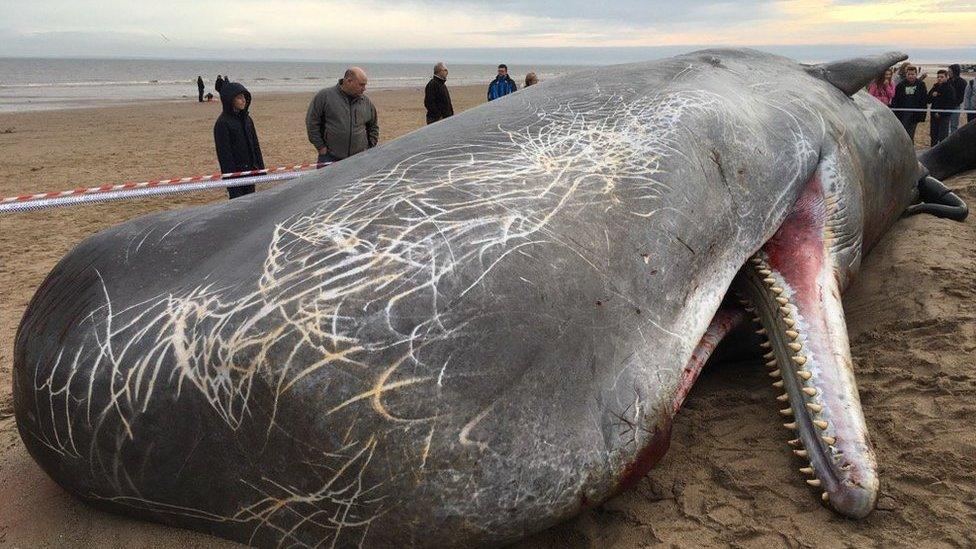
[{"x": 728, "y": 478}]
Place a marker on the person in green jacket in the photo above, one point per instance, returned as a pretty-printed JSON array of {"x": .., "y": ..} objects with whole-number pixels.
[{"x": 341, "y": 120}]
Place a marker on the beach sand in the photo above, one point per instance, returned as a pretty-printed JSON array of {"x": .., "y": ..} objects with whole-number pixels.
[{"x": 728, "y": 478}]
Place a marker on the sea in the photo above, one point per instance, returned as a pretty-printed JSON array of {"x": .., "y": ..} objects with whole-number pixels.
[{"x": 31, "y": 84}]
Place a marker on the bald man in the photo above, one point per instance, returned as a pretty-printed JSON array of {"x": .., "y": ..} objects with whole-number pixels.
[
  {"x": 341, "y": 120},
  {"x": 436, "y": 97}
]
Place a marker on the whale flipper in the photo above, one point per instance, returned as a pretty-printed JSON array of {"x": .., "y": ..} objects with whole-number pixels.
[{"x": 850, "y": 75}]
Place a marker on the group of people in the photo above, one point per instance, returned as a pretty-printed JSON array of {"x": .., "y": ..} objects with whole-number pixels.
[
  {"x": 218, "y": 84},
  {"x": 437, "y": 99},
  {"x": 341, "y": 120},
  {"x": 907, "y": 95}
]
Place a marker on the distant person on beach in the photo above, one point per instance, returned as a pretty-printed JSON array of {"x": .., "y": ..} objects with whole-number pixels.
[
  {"x": 531, "y": 79},
  {"x": 236, "y": 139},
  {"x": 219, "y": 83},
  {"x": 882, "y": 88},
  {"x": 200, "y": 89},
  {"x": 959, "y": 87},
  {"x": 910, "y": 94},
  {"x": 341, "y": 120},
  {"x": 942, "y": 97},
  {"x": 969, "y": 101},
  {"x": 502, "y": 85},
  {"x": 436, "y": 97},
  {"x": 208, "y": 98}
]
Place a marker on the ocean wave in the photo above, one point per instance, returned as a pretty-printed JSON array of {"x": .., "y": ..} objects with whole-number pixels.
[{"x": 98, "y": 83}]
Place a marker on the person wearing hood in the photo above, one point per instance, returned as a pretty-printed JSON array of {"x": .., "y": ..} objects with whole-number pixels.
[
  {"x": 200, "y": 89},
  {"x": 959, "y": 86},
  {"x": 969, "y": 101},
  {"x": 236, "y": 139},
  {"x": 502, "y": 85},
  {"x": 219, "y": 83}
]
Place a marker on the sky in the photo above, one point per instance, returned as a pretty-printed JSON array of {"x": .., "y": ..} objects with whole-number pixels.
[{"x": 570, "y": 31}]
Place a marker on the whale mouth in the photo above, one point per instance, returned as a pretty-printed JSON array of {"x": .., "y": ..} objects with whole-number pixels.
[{"x": 791, "y": 290}]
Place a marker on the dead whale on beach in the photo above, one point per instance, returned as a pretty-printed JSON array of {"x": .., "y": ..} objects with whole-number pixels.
[{"x": 475, "y": 331}]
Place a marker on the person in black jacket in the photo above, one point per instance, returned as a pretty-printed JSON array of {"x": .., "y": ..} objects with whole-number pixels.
[
  {"x": 200, "y": 89},
  {"x": 219, "y": 83},
  {"x": 910, "y": 93},
  {"x": 436, "y": 97},
  {"x": 942, "y": 97},
  {"x": 959, "y": 85},
  {"x": 236, "y": 139}
]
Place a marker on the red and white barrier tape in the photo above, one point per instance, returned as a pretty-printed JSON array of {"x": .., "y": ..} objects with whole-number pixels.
[{"x": 102, "y": 193}]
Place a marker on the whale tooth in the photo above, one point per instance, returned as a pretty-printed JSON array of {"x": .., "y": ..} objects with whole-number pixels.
[
  {"x": 775, "y": 373},
  {"x": 776, "y": 290},
  {"x": 765, "y": 345},
  {"x": 795, "y": 346},
  {"x": 771, "y": 363},
  {"x": 761, "y": 331},
  {"x": 765, "y": 272},
  {"x": 791, "y": 426},
  {"x": 825, "y": 497},
  {"x": 778, "y": 384},
  {"x": 783, "y": 397},
  {"x": 821, "y": 424},
  {"x": 792, "y": 334},
  {"x": 756, "y": 319},
  {"x": 782, "y": 300},
  {"x": 769, "y": 355},
  {"x": 809, "y": 391},
  {"x": 789, "y": 322},
  {"x": 769, "y": 280},
  {"x": 801, "y": 360},
  {"x": 794, "y": 442},
  {"x": 815, "y": 408},
  {"x": 829, "y": 440},
  {"x": 756, "y": 260},
  {"x": 800, "y": 453},
  {"x": 786, "y": 411},
  {"x": 785, "y": 310},
  {"x": 750, "y": 309},
  {"x": 815, "y": 482},
  {"x": 806, "y": 470},
  {"x": 804, "y": 375}
]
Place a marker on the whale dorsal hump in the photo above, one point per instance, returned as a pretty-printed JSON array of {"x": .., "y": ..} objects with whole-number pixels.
[{"x": 850, "y": 75}]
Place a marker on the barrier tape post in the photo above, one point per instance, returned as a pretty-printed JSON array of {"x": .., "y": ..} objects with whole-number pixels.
[{"x": 104, "y": 193}]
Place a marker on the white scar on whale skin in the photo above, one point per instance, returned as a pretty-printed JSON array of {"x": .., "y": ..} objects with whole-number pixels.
[{"x": 385, "y": 241}]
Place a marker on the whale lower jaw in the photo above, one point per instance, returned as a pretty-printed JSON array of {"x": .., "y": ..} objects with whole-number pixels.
[{"x": 790, "y": 290}]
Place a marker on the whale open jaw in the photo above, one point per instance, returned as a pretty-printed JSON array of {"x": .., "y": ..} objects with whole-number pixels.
[{"x": 791, "y": 288}]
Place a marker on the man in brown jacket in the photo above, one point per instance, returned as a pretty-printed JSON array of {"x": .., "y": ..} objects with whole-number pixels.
[{"x": 341, "y": 120}]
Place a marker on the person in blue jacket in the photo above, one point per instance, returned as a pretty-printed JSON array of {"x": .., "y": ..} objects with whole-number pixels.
[{"x": 502, "y": 84}]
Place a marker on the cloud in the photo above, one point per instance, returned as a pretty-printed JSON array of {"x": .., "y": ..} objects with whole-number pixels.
[{"x": 227, "y": 27}]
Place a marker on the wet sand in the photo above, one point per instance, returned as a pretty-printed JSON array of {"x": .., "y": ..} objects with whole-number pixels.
[{"x": 728, "y": 478}]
